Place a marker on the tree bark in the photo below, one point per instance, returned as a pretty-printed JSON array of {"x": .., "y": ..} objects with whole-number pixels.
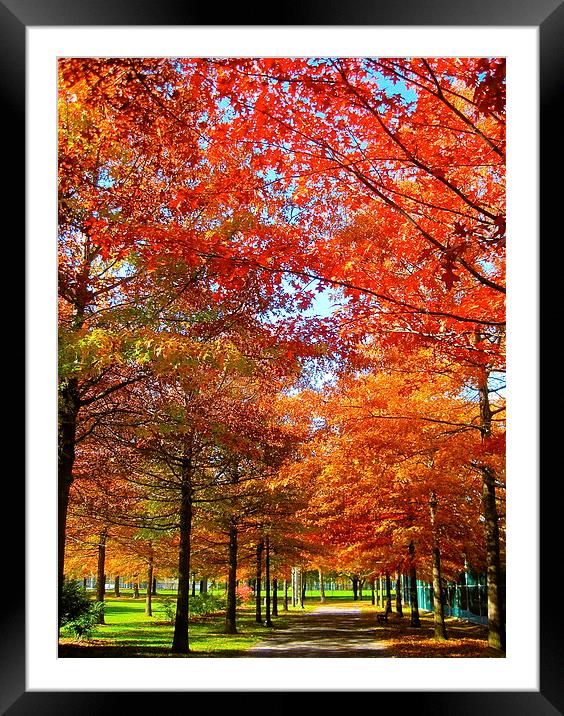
[
  {"x": 180, "y": 642},
  {"x": 193, "y": 584},
  {"x": 258, "y": 606},
  {"x": 136, "y": 587},
  {"x": 496, "y": 625},
  {"x": 372, "y": 592},
  {"x": 274, "y": 597},
  {"x": 285, "y": 595},
  {"x": 321, "y": 588},
  {"x": 399, "y": 608},
  {"x": 440, "y": 626},
  {"x": 69, "y": 406},
  {"x": 388, "y": 593},
  {"x": 415, "y": 621},
  {"x": 154, "y": 588},
  {"x": 267, "y": 621},
  {"x": 355, "y": 588},
  {"x": 116, "y": 586},
  {"x": 100, "y": 573},
  {"x": 149, "y": 595},
  {"x": 231, "y": 611}
]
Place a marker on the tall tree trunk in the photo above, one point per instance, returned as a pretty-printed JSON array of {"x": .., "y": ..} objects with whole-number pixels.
[
  {"x": 274, "y": 597},
  {"x": 388, "y": 593},
  {"x": 193, "y": 584},
  {"x": 321, "y": 588},
  {"x": 285, "y": 595},
  {"x": 180, "y": 643},
  {"x": 372, "y": 592},
  {"x": 303, "y": 578},
  {"x": 231, "y": 611},
  {"x": 69, "y": 406},
  {"x": 116, "y": 586},
  {"x": 149, "y": 595},
  {"x": 204, "y": 585},
  {"x": 440, "y": 626},
  {"x": 100, "y": 573},
  {"x": 154, "y": 586},
  {"x": 355, "y": 588},
  {"x": 258, "y": 605},
  {"x": 267, "y": 621},
  {"x": 496, "y": 625},
  {"x": 399, "y": 608},
  {"x": 415, "y": 621},
  {"x": 136, "y": 587}
]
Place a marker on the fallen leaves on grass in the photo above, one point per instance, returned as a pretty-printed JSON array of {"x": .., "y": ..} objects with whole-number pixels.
[
  {"x": 421, "y": 647},
  {"x": 466, "y": 640}
]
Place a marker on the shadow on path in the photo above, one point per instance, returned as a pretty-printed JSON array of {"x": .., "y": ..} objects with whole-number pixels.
[{"x": 326, "y": 632}]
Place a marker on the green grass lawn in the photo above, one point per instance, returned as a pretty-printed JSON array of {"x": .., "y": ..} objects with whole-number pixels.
[{"x": 129, "y": 632}]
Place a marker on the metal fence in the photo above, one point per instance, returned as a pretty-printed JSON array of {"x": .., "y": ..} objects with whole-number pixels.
[{"x": 466, "y": 599}]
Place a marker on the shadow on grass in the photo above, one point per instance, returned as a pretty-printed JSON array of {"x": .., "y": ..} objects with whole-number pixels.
[{"x": 93, "y": 651}]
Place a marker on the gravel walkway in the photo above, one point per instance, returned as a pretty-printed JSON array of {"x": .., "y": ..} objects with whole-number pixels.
[{"x": 325, "y": 632}]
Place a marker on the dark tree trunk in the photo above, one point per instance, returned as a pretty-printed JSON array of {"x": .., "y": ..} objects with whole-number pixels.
[
  {"x": 285, "y": 595},
  {"x": 204, "y": 585},
  {"x": 69, "y": 406},
  {"x": 258, "y": 606},
  {"x": 496, "y": 626},
  {"x": 388, "y": 593},
  {"x": 100, "y": 573},
  {"x": 193, "y": 584},
  {"x": 136, "y": 587},
  {"x": 372, "y": 592},
  {"x": 415, "y": 621},
  {"x": 267, "y": 621},
  {"x": 154, "y": 587},
  {"x": 231, "y": 611},
  {"x": 321, "y": 588},
  {"x": 149, "y": 596},
  {"x": 180, "y": 644},
  {"x": 399, "y": 608},
  {"x": 355, "y": 588},
  {"x": 440, "y": 626},
  {"x": 274, "y": 597},
  {"x": 116, "y": 586}
]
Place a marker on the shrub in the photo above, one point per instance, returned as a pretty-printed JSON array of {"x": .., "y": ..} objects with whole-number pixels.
[
  {"x": 78, "y": 614},
  {"x": 244, "y": 593},
  {"x": 74, "y": 602},
  {"x": 168, "y": 607},
  {"x": 84, "y": 626},
  {"x": 208, "y": 603}
]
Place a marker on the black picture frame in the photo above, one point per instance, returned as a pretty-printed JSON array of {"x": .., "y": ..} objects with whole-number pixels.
[{"x": 548, "y": 17}]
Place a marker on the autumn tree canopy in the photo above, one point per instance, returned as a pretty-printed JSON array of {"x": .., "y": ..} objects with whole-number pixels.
[{"x": 206, "y": 391}]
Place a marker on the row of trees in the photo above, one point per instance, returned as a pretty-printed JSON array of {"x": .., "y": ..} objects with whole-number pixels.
[{"x": 203, "y": 204}]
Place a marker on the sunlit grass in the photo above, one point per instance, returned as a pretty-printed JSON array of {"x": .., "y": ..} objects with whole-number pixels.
[{"x": 129, "y": 632}]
